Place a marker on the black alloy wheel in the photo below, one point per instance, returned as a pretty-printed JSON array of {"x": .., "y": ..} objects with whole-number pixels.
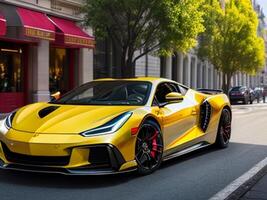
[
  {"x": 224, "y": 129},
  {"x": 149, "y": 147}
]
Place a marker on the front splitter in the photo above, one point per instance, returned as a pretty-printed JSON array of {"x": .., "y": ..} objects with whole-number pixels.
[{"x": 63, "y": 171}]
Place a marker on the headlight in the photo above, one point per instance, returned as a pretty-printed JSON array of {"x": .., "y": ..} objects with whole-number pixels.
[
  {"x": 109, "y": 127},
  {"x": 9, "y": 119}
]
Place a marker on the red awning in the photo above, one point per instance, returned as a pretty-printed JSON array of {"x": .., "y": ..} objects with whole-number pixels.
[
  {"x": 2, "y": 25},
  {"x": 73, "y": 35},
  {"x": 36, "y": 24}
]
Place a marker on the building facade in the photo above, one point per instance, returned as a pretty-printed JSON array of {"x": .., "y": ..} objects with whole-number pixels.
[
  {"x": 43, "y": 49},
  {"x": 261, "y": 77}
]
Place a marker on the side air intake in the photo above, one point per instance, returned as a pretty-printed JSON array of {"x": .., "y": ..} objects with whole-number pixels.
[{"x": 205, "y": 114}]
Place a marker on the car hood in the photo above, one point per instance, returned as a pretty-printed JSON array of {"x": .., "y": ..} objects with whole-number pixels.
[{"x": 65, "y": 119}]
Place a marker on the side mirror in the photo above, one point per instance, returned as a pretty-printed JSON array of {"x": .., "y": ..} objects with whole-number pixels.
[
  {"x": 55, "y": 96},
  {"x": 174, "y": 97}
]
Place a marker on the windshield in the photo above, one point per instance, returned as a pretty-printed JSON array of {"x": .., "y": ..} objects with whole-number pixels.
[
  {"x": 108, "y": 93},
  {"x": 237, "y": 88}
]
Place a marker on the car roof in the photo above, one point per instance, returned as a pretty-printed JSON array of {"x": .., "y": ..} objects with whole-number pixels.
[
  {"x": 153, "y": 80},
  {"x": 239, "y": 86},
  {"x": 149, "y": 79}
]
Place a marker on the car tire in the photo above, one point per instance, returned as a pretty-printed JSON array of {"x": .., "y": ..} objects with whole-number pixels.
[
  {"x": 224, "y": 129},
  {"x": 148, "y": 148}
]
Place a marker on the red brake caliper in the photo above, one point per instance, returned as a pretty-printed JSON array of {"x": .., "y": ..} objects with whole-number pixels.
[{"x": 154, "y": 145}]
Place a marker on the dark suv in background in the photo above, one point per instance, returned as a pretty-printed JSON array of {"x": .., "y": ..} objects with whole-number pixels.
[{"x": 240, "y": 93}]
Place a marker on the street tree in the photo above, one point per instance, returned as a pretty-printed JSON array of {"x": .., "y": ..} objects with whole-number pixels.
[
  {"x": 161, "y": 26},
  {"x": 230, "y": 41}
]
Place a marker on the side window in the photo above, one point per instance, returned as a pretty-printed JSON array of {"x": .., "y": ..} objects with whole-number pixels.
[
  {"x": 183, "y": 90},
  {"x": 162, "y": 90},
  {"x": 174, "y": 87}
]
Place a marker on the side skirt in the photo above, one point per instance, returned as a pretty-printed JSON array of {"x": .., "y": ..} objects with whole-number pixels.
[{"x": 187, "y": 150}]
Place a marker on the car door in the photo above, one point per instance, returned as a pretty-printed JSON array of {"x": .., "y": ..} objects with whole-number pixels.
[{"x": 178, "y": 118}]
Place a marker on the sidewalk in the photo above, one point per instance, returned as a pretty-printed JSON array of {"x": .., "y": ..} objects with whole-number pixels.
[{"x": 258, "y": 191}]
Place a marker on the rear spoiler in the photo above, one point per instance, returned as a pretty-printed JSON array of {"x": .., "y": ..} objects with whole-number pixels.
[{"x": 209, "y": 91}]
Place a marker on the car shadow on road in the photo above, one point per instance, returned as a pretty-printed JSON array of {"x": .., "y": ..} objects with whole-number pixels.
[
  {"x": 189, "y": 156},
  {"x": 80, "y": 182}
]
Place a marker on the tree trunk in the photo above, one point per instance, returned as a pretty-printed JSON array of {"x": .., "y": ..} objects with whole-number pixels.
[
  {"x": 127, "y": 65},
  {"x": 226, "y": 82},
  {"x": 229, "y": 76},
  {"x": 127, "y": 69}
]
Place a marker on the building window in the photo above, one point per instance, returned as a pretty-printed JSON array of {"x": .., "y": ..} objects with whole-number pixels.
[
  {"x": 55, "y": 5},
  {"x": 59, "y": 70},
  {"x": 11, "y": 70}
]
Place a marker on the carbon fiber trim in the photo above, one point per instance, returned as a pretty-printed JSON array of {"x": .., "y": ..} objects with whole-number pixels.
[
  {"x": 205, "y": 115},
  {"x": 63, "y": 171}
]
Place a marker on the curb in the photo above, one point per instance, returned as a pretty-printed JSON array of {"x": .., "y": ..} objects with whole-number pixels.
[
  {"x": 243, "y": 189},
  {"x": 243, "y": 184}
]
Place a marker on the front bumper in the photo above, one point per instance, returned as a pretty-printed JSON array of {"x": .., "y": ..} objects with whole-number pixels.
[
  {"x": 76, "y": 156},
  {"x": 237, "y": 98},
  {"x": 98, "y": 164}
]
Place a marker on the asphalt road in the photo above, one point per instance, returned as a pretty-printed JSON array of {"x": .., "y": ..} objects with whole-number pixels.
[{"x": 198, "y": 175}]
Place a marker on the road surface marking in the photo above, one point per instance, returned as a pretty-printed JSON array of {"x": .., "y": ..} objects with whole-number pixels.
[{"x": 232, "y": 187}]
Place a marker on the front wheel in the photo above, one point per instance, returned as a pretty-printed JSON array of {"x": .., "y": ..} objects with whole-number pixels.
[
  {"x": 224, "y": 129},
  {"x": 149, "y": 148}
]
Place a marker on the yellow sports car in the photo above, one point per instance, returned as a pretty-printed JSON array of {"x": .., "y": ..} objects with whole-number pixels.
[{"x": 112, "y": 126}]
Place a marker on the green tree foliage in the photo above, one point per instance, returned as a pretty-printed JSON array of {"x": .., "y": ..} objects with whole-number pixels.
[
  {"x": 163, "y": 26},
  {"x": 230, "y": 41}
]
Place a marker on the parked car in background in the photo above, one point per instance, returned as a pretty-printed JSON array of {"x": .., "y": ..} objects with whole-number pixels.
[
  {"x": 258, "y": 91},
  {"x": 239, "y": 94}
]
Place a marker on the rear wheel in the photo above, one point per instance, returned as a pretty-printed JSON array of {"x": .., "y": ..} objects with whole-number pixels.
[
  {"x": 149, "y": 148},
  {"x": 224, "y": 129}
]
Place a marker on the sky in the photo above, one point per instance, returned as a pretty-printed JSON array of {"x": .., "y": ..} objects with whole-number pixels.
[{"x": 263, "y": 4}]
